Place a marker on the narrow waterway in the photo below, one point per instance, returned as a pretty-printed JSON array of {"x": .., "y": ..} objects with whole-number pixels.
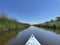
[{"x": 43, "y": 36}]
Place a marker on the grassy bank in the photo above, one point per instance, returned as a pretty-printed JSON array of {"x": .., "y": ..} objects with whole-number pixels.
[
  {"x": 9, "y": 28},
  {"x": 52, "y": 25},
  {"x": 7, "y": 24}
]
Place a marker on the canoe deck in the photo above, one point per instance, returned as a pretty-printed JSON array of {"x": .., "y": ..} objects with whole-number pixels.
[{"x": 32, "y": 41}]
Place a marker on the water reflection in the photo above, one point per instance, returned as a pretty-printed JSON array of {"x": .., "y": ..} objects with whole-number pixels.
[{"x": 44, "y": 37}]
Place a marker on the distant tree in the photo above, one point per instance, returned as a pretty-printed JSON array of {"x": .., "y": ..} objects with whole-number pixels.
[
  {"x": 52, "y": 20},
  {"x": 46, "y": 22},
  {"x": 58, "y": 18}
]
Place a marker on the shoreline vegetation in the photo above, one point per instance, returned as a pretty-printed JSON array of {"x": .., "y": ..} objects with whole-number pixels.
[
  {"x": 9, "y": 28},
  {"x": 52, "y": 25}
]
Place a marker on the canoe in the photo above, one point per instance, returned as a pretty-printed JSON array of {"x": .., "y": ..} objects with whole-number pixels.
[{"x": 32, "y": 41}]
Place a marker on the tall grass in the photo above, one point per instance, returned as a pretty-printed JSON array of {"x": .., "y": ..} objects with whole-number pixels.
[
  {"x": 7, "y": 24},
  {"x": 53, "y": 24},
  {"x": 9, "y": 28}
]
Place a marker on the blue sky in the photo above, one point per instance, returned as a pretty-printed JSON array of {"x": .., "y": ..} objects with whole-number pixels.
[{"x": 31, "y": 11}]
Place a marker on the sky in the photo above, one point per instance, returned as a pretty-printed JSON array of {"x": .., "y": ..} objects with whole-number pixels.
[{"x": 31, "y": 11}]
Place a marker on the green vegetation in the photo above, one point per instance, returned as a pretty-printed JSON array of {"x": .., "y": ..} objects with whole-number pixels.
[
  {"x": 9, "y": 28},
  {"x": 10, "y": 25},
  {"x": 53, "y": 25}
]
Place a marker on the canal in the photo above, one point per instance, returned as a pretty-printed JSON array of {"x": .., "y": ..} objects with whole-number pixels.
[{"x": 45, "y": 37}]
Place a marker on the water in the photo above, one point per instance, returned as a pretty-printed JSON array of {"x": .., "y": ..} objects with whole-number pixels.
[{"x": 43, "y": 36}]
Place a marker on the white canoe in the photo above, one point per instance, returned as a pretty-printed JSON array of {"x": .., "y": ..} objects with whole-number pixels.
[{"x": 32, "y": 41}]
